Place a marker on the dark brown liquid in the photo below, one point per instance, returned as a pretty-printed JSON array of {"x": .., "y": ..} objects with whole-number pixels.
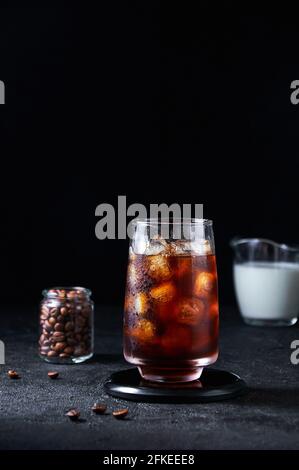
[{"x": 171, "y": 311}]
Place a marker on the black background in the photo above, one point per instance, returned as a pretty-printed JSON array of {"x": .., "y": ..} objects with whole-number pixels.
[{"x": 153, "y": 101}]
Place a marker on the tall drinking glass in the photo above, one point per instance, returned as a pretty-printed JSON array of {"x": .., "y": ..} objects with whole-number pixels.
[{"x": 171, "y": 303}]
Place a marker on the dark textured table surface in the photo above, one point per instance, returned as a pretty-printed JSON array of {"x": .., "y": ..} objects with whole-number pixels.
[{"x": 32, "y": 408}]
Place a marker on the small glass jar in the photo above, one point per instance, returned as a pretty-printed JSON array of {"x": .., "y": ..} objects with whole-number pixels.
[{"x": 66, "y": 325}]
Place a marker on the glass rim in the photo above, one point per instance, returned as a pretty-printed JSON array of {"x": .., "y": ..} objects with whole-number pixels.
[
  {"x": 255, "y": 241},
  {"x": 50, "y": 291},
  {"x": 172, "y": 221}
]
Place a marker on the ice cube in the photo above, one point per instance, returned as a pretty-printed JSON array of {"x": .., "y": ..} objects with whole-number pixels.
[
  {"x": 164, "y": 292},
  {"x": 200, "y": 247},
  {"x": 156, "y": 246},
  {"x": 190, "y": 311},
  {"x": 179, "y": 247},
  {"x": 138, "y": 303},
  {"x": 158, "y": 268},
  {"x": 143, "y": 331},
  {"x": 204, "y": 284},
  {"x": 141, "y": 303}
]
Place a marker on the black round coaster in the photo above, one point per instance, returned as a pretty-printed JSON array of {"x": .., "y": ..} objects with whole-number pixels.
[{"x": 213, "y": 385}]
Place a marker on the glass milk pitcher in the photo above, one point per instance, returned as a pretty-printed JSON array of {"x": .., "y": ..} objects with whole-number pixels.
[{"x": 266, "y": 279}]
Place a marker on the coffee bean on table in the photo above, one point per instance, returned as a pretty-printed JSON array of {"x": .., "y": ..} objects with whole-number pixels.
[
  {"x": 12, "y": 374},
  {"x": 120, "y": 414},
  {"x": 53, "y": 374},
  {"x": 99, "y": 408},
  {"x": 73, "y": 414}
]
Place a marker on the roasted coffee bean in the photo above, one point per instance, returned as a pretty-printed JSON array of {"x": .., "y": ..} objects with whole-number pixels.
[
  {"x": 64, "y": 311},
  {"x": 53, "y": 374},
  {"x": 44, "y": 351},
  {"x": 66, "y": 328},
  {"x": 58, "y": 337},
  {"x": 45, "y": 310},
  {"x": 52, "y": 321},
  {"x": 58, "y": 340},
  {"x": 59, "y": 347},
  {"x": 71, "y": 294},
  {"x": 54, "y": 311},
  {"x": 12, "y": 374},
  {"x": 71, "y": 341},
  {"x": 69, "y": 326},
  {"x": 52, "y": 354},
  {"x": 48, "y": 326},
  {"x": 57, "y": 334},
  {"x": 120, "y": 414},
  {"x": 68, "y": 350},
  {"x": 99, "y": 408},
  {"x": 59, "y": 327},
  {"x": 73, "y": 414}
]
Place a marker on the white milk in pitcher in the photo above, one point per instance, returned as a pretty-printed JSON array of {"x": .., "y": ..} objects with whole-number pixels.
[{"x": 267, "y": 290}]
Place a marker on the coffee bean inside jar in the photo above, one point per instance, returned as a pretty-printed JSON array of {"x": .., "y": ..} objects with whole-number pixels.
[{"x": 66, "y": 325}]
